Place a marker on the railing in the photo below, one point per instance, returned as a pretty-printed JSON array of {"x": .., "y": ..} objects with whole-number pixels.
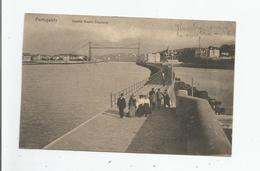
[{"x": 132, "y": 89}]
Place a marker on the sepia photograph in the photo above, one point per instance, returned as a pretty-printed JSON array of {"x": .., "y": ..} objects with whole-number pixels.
[{"x": 128, "y": 85}]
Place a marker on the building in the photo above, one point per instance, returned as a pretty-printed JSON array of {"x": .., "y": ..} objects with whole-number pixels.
[
  {"x": 211, "y": 52},
  {"x": 201, "y": 52},
  {"x": 27, "y": 57},
  {"x": 36, "y": 58},
  {"x": 165, "y": 54},
  {"x": 214, "y": 52},
  {"x": 46, "y": 57},
  {"x": 172, "y": 54},
  {"x": 61, "y": 57},
  {"x": 76, "y": 57},
  {"x": 56, "y": 58},
  {"x": 153, "y": 58},
  {"x": 81, "y": 58},
  {"x": 225, "y": 54}
]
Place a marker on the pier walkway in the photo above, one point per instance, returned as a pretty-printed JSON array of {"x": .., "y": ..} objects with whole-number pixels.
[{"x": 159, "y": 133}]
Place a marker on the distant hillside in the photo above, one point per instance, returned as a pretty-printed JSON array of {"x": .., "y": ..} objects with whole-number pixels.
[{"x": 122, "y": 57}]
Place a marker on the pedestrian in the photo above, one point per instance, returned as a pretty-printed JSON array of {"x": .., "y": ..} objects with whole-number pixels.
[
  {"x": 132, "y": 106},
  {"x": 147, "y": 109},
  {"x": 166, "y": 99},
  {"x": 152, "y": 98},
  {"x": 163, "y": 78},
  {"x": 140, "y": 105},
  {"x": 159, "y": 97},
  {"x": 121, "y": 104}
]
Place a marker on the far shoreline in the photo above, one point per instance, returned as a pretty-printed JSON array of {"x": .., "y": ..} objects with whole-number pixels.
[
  {"x": 70, "y": 63},
  {"x": 192, "y": 65}
]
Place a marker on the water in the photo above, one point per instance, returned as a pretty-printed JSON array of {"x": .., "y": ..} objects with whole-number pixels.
[
  {"x": 57, "y": 98},
  {"x": 218, "y": 82}
]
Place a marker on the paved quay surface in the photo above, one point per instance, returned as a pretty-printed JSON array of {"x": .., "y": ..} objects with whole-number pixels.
[{"x": 159, "y": 133}]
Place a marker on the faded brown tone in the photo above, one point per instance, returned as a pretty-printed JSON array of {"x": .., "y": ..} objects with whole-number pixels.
[{"x": 77, "y": 68}]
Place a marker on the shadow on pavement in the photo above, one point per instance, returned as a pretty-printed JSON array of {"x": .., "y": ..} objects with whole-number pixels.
[{"x": 161, "y": 133}]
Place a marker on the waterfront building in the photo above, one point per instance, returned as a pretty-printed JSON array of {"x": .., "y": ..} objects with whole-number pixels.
[
  {"x": 165, "y": 54},
  {"x": 56, "y": 58},
  {"x": 66, "y": 58},
  {"x": 214, "y": 52},
  {"x": 201, "y": 52},
  {"x": 81, "y": 58},
  {"x": 225, "y": 54},
  {"x": 46, "y": 57},
  {"x": 27, "y": 57},
  {"x": 36, "y": 57},
  {"x": 153, "y": 57},
  {"x": 172, "y": 54}
]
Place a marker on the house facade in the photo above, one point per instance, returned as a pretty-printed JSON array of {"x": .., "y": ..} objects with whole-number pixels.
[
  {"x": 153, "y": 57},
  {"x": 214, "y": 52}
]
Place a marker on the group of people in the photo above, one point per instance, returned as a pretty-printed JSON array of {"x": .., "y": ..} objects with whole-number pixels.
[
  {"x": 159, "y": 99},
  {"x": 143, "y": 105}
]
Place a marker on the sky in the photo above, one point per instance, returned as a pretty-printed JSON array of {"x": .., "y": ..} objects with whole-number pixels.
[{"x": 56, "y": 34}]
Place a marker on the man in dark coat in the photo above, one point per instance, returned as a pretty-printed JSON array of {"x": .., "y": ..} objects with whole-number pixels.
[
  {"x": 159, "y": 97},
  {"x": 166, "y": 99},
  {"x": 121, "y": 104}
]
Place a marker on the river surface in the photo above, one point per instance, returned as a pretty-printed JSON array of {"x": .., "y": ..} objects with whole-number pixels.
[
  {"x": 218, "y": 82},
  {"x": 58, "y": 98}
]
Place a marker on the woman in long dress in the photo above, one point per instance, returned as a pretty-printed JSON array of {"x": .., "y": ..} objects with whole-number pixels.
[
  {"x": 140, "y": 106},
  {"x": 147, "y": 108},
  {"x": 132, "y": 106}
]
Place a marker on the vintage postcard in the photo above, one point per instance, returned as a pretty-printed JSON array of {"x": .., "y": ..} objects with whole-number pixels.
[{"x": 132, "y": 85}]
